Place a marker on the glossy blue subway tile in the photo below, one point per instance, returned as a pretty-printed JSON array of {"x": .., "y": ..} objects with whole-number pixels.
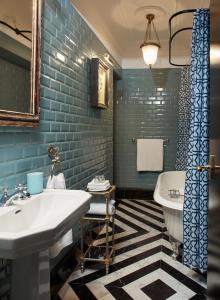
[
  {"x": 143, "y": 111},
  {"x": 64, "y": 105},
  {"x": 13, "y": 153},
  {"x": 23, "y": 165},
  {"x": 55, "y": 127},
  {"x": 55, "y": 105}
]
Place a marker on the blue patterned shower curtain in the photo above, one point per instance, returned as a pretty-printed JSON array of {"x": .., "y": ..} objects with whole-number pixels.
[
  {"x": 195, "y": 210},
  {"x": 184, "y": 107}
]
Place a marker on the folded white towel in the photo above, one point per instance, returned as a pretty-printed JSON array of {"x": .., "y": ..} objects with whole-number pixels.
[
  {"x": 58, "y": 182},
  {"x": 100, "y": 208},
  {"x": 98, "y": 189},
  {"x": 150, "y": 155},
  {"x": 97, "y": 186},
  {"x": 94, "y": 183},
  {"x": 94, "y": 186}
]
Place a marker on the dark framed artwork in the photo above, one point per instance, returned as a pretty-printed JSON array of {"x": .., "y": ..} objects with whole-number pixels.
[{"x": 99, "y": 83}]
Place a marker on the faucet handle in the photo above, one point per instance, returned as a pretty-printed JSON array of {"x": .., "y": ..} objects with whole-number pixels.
[
  {"x": 19, "y": 187},
  {"x": 25, "y": 191},
  {"x": 4, "y": 197},
  {"x": 5, "y": 190},
  {"x": 22, "y": 190}
]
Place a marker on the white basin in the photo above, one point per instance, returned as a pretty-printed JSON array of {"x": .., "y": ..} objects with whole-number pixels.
[{"x": 36, "y": 224}]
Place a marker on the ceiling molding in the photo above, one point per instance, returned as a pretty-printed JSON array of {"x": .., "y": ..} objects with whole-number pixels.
[
  {"x": 102, "y": 39},
  {"x": 162, "y": 62},
  {"x": 120, "y": 25}
]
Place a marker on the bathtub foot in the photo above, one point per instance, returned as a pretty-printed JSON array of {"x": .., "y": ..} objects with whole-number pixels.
[
  {"x": 174, "y": 255},
  {"x": 175, "y": 247}
]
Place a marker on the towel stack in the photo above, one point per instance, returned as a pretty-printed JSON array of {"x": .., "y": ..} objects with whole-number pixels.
[
  {"x": 100, "y": 208},
  {"x": 94, "y": 186}
]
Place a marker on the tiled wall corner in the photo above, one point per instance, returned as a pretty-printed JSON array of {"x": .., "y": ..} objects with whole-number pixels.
[{"x": 146, "y": 107}]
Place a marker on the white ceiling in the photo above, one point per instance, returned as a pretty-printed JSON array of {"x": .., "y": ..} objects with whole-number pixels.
[{"x": 121, "y": 25}]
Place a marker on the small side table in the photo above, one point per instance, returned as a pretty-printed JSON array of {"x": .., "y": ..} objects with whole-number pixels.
[{"x": 107, "y": 216}]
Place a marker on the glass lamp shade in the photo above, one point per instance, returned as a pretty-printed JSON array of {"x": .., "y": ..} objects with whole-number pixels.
[{"x": 150, "y": 52}]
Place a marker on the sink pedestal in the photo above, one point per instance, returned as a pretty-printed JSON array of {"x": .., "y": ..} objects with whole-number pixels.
[{"x": 31, "y": 277}]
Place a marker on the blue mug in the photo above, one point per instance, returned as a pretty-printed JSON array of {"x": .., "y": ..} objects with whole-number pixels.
[{"x": 35, "y": 183}]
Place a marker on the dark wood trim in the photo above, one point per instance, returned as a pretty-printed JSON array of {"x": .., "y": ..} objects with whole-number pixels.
[
  {"x": 132, "y": 193},
  {"x": 19, "y": 123},
  {"x": 31, "y": 119},
  {"x": 96, "y": 66}
]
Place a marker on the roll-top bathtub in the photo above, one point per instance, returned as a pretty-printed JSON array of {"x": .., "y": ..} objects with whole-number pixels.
[{"x": 173, "y": 207}]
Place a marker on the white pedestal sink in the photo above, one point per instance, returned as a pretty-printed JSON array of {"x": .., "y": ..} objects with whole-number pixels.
[{"x": 32, "y": 226}]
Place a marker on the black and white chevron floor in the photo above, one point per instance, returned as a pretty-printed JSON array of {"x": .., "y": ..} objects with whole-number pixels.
[{"x": 143, "y": 268}]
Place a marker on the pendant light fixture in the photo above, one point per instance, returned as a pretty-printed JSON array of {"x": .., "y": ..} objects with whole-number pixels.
[{"x": 150, "y": 46}]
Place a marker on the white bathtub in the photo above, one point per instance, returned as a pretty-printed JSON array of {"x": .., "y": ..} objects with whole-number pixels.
[{"x": 173, "y": 207}]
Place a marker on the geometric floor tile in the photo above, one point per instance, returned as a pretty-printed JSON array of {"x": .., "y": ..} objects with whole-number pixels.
[
  {"x": 158, "y": 290},
  {"x": 142, "y": 268}
]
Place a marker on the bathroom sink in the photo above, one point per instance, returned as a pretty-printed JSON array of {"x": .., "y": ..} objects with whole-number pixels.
[{"x": 35, "y": 224}]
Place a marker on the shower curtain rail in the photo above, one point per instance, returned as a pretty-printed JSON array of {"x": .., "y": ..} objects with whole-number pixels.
[{"x": 176, "y": 32}]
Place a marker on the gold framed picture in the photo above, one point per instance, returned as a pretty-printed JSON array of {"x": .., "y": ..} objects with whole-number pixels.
[{"x": 99, "y": 83}]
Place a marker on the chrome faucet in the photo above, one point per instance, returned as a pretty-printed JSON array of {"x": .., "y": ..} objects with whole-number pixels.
[
  {"x": 19, "y": 194},
  {"x": 5, "y": 197}
]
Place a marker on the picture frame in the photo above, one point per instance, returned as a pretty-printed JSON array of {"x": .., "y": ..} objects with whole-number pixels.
[{"x": 99, "y": 84}]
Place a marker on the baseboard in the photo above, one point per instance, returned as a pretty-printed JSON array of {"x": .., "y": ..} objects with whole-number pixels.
[{"x": 132, "y": 193}]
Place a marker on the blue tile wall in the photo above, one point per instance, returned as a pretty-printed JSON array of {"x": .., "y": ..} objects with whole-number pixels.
[
  {"x": 146, "y": 107},
  {"x": 83, "y": 134}
]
